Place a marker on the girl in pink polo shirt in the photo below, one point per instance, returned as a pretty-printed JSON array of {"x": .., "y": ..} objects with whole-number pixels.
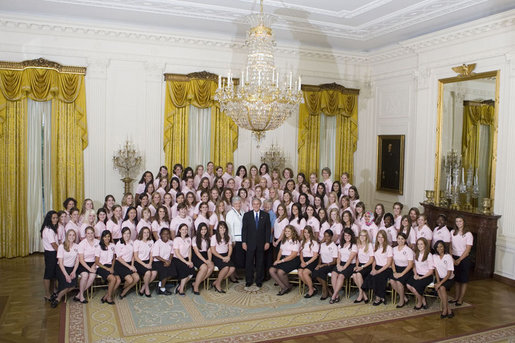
[
  {"x": 381, "y": 270},
  {"x": 309, "y": 248},
  {"x": 73, "y": 223},
  {"x": 143, "y": 260},
  {"x": 109, "y": 202},
  {"x": 287, "y": 259},
  {"x": 160, "y": 221},
  {"x": 87, "y": 267},
  {"x": 444, "y": 273},
  {"x": 326, "y": 262},
  {"x": 105, "y": 260},
  {"x": 365, "y": 259},
  {"x": 202, "y": 256},
  {"x": 100, "y": 226},
  {"x": 297, "y": 221},
  {"x": 336, "y": 227},
  {"x": 402, "y": 266},
  {"x": 312, "y": 220},
  {"x": 125, "y": 262},
  {"x": 422, "y": 272},
  {"x": 162, "y": 253},
  {"x": 345, "y": 264},
  {"x": 221, "y": 248},
  {"x": 114, "y": 224},
  {"x": 68, "y": 260},
  {"x": 50, "y": 244},
  {"x": 461, "y": 244},
  {"x": 89, "y": 219},
  {"x": 182, "y": 254},
  {"x": 130, "y": 221}
]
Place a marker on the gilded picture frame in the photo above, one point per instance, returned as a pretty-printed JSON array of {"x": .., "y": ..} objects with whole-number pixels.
[{"x": 390, "y": 163}]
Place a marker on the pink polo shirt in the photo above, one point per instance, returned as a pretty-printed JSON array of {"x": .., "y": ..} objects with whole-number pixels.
[
  {"x": 309, "y": 252},
  {"x": 443, "y": 265},
  {"x": 402, "y": 257},
  {"x": 87, "y": 249},
  {"x": 279, "y": 227},
  {"x": 346, "y": 251},
  {"x": 49, "y": 237},
  {"x": 116, "y": 229},
  {"x": 68, "y": 257},
  {"x": 363, "y": 256},
  {"x": 162, "y": 249},
  {"x": 203, "y": 248},
  {"x": 423, "y": 267},
  {"x": 105, "y": 256},
  {"x": 459, "y": 243},
  {"x": 328, "y": 252},
  {"x": 222, "y": 247},
  {"x": 143, "y": 249},
  {"x": 289, "y": 247},
  {"x": 183, "y": 245},
  {"x": 124, "y": 251},
  {"x": 382, "y": 256}
]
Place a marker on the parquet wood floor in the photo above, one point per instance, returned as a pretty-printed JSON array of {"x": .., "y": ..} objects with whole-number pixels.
[{"x": 26, "y": 317}]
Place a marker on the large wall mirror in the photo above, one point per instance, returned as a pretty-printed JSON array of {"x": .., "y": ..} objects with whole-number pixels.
[{"x": 467, "y": 139}]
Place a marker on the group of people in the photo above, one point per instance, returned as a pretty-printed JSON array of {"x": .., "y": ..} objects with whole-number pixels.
[{"x": 188, "y": 224}]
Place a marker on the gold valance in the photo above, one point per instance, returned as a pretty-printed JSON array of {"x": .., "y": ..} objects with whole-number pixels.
[
  {"x": 197, "y": 89},
  {"x": 331, "y": 100},
  {"x": 42, "y": 63}
]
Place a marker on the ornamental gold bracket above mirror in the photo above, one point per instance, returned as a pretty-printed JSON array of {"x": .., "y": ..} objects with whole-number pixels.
[{"x": 465, "y": 70}]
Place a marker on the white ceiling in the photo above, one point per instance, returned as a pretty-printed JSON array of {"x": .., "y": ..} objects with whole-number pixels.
[{"x": 351, "y": 25}]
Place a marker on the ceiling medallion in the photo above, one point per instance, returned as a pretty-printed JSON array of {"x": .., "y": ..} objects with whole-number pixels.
[{"x": 263, "y": 98}]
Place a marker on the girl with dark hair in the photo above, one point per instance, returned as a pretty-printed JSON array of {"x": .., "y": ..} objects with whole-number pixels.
[
  {"x": 162, "y": 253},
  {"x": 105, "y": 261},
  {"x": 160, "y": 221},
  {"x": 73, "y": 223},
  {"x": 202, "y": 256},
  {"x": 326, "y": 262},
  {"x": 221, "y": 248},
  {"x": 125, "y": 262},
  {"x": 50, "y": 244},
  {"x": 391, "y": 231},
  {"x": 87, "y": 268},
  {"x": 408, "y": 231},
  {"x": 290, "y": 187},
  {"x": 264, "y": 174},
  {"x": 241, "y": 173},
  {"x": 345, "y": 264},
  {"x": 177, "y": 170},
  {"x": 143, "y": 203},
  {"x": 68, "y": 204},
  {"x": 109, "y": 203},
  {"x": 143, "y": 259},
  {"x": 61, "y": 224},
  {"x": 422, "y": 273},
  {"x": 114, "y": 225},
  {"x": 182, "y": 255},
  {"x": 324, "y": 223},
  {"x": 308, "y": 258},
  {"x": 321, "y": 192},
  {"x": 312, "y": 219},
  {"x": 142, "y": 183},
  {"x": 402, "y": 266},
  {"x": 336, "y": 188},
  {"x": 444, "y": 273},
  {"x": 378, "y": 215},
  {"x": 161, "y": 174},
  {"x": 297, "y": 219},
  {"x": 348, "y": 223},
  {"x": 461, "y": 244},
  {"x": 131, "y": 222},
  {"x": 353, "y": 196},
  {"x": 336, "y": 227},
  {"x": 175, "y": 187},
  {"x": 287, "y": 260}
]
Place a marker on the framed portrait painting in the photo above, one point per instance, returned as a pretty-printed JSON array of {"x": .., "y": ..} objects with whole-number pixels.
[{"x": 390, "y": 163}]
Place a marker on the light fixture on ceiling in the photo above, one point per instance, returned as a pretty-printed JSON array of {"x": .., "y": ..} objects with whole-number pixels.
[{"x": 264, "y": 98}]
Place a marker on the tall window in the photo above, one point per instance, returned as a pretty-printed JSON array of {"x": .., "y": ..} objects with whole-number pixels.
[
  {"x": 199, "y": 136},
  {"x": 327, "y": 152},
  {"x": 39, "y": 186}
]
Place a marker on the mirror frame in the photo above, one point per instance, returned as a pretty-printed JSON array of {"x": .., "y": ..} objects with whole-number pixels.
[{"x": 438, "y": 153}]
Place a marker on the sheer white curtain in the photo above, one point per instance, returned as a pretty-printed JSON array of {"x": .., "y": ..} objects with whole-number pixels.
[
  {"x": 39, "y": 187},
  {"x": 199, "y": 136},
  {"x": 327, "y": 142}
]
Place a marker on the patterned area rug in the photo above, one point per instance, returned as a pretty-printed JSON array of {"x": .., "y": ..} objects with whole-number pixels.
[
  {"x": 502, "y": 334},
  {"x": 237, "y": 316}
]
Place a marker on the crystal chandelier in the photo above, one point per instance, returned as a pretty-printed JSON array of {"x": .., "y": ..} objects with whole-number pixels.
[{"x": 263, "y": 99}]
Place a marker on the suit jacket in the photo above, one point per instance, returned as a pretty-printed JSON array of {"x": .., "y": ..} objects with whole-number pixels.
[{"x": 256, "y": 238}]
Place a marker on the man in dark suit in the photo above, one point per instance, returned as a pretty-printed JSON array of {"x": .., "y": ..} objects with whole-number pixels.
[{"x": 255, "y": 241}]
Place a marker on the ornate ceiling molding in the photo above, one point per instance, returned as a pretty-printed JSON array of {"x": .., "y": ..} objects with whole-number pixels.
[{"x": 43, "y": 64}]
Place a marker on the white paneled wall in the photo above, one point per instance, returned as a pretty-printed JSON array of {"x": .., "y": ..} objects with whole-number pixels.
[{"x": 125, "y": 97}]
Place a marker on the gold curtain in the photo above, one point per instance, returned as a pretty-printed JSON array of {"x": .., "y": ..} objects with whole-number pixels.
[
  {"x": 476, "y": 114},
  {"x": 331, "y": 100},
  {"x": 197, "y": 90},
  {"x": 69, "y": 138}
]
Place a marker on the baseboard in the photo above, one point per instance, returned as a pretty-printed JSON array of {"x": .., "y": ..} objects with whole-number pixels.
[{"x": 504, "y": 279}]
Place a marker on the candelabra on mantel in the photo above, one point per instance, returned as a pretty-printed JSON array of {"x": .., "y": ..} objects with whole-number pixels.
[
  {"x": 274, "y": 157},
  {"x": 128, "y": 161},
  {"x": 459, "y": 183}
]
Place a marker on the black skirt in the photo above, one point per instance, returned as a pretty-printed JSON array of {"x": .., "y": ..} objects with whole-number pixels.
[
  {"x": 347, "y": 272},
  {"x": 288, "y": 266},
  {"x": 221, "y": 264},
  {"x": 448, "y": 284},
  {"x": 183, "y": 271},
  {"x": 81, "y": 268},
  {"x": 50, "y": 265},
  {"x": 142, "y": 270},
  {"x": 164, "y": 272},
  {"x": 377, "y": 282},
  {"x": 62, "y": 280},
  {"x": 364, "y": 273},
  {"x": 322, "y": 272},
  {"x": 310, "y": 266},
  {"x": 197, "y": 262},
  {"x": 420, "y": 284},
  {"x": 122, "y": 270},
  {"x": 104, "y": 274},
  {"x": 403, "y": 279},
  {"x": 462, "y": 270},
  {"x": 238, "y": 255}
]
